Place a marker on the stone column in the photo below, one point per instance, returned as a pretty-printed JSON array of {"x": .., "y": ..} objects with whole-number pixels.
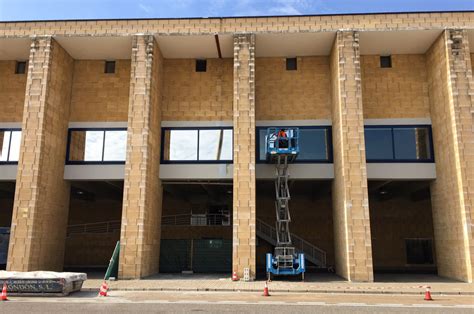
[
  {"x": 142, "y": 200},
  {"x": 451, "y": 88},
  {"x": 244, "y": 211},
  {"x": 41, "y": 205},
  {"x": 353, "y": 249}
]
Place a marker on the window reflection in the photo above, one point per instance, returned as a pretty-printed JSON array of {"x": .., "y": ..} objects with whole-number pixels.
[
  {"x": 5, "y": 140},
  {"x": 14, "y": 154},
  {"x": 215, "y": 145},
  {"x": 378, "y": 143},
  {"x": 93, "y": 145},
  {"x": 398, "y": 143},
  {"x": 10, "y": 141},
  {"x": 181, "y": 145},
  {"x": 97, "y": 145},
  {"x": 115, "y": 147}
]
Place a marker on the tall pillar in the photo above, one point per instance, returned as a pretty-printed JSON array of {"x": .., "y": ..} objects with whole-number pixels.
[
  {"x": 451, "y": 88},
  {"x": 353, "y": 248},
  {"x": 244, "y": 211},
  {"x": 41, "y": 205},
  {"x": 141, "y": 214}
]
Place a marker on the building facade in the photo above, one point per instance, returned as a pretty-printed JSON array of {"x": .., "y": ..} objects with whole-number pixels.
[{"x": 152, "y": 132}]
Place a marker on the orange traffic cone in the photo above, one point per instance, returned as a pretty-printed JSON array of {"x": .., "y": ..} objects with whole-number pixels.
[
  {"x": 103, "y": 290},
  {"x": 234, "y": 276},
  {"x": 428, "y": 294},
  {"x": 4, "y": 292},
  {"x": 265, "y": 290}
]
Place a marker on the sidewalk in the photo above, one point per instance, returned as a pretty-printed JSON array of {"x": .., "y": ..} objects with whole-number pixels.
[{"x": 315, "y": 283}]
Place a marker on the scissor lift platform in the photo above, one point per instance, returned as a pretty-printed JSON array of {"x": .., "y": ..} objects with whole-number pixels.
[{"x": 281, "y": 149}]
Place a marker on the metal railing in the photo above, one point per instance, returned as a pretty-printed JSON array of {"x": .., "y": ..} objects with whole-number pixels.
[
  {"x": 311, "y": 252},
  {"x": 196, "y": 220},
  {"x": 95, "y": 227}
]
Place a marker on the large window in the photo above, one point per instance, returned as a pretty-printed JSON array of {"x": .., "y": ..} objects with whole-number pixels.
[
  {"x": 398, "y": 143},
  {"x": 314, "y": 142},
  {"x": 97, "y": 146},
  {"x": 193, "y": 145},
  {"x": 9, "y": 145}
]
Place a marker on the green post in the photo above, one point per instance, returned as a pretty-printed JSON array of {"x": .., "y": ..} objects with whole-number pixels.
[{"x": 112, "y": 270}]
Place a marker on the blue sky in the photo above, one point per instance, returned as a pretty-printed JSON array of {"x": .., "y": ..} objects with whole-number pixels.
[{"x": 14, "y": 10}]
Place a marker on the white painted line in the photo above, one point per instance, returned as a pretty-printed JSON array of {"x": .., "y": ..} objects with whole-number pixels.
[{"x": 311, "y": 303}]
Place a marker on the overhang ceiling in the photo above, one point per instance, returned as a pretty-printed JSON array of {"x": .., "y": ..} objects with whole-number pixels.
[
  {"x": 294, "y": 44},
  {"x": 397, "y": 42},
  {"x": 97, "y": 48},
  {"x": 197, "y": 46},
  {"x": 14, "y": 48}
]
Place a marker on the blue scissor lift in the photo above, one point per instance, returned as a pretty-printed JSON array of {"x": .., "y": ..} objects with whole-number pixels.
[{"x": 281, "y": 149}]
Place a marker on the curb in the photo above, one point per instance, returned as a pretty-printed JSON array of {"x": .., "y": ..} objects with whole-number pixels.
[{"x": 465, "y": 293}]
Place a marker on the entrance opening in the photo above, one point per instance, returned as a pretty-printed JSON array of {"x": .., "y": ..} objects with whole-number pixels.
[
  {"x": 7, "y": 196},
  {"x": 311, "y": 225},
  {"x": 401, "y": 227},
  {"x": 95, "y": 213},
  {"x": 196, "y": 231}
]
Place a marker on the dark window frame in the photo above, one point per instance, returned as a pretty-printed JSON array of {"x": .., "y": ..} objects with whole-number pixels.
[
  {"x": 8, "y": 162},
  {"x": 386, "y": 62},
  {"x": 24, "y": 65},
  {"x": 106, "y": 66},
  {"x": 95, "y": 162},
  {"x": 292, "y": 64},
  {"x": 197, "y": 161},
  {"x": 401, "y": 126},
  {"x": 201, "y": 65},
  {"x": 328, "y": 129}
]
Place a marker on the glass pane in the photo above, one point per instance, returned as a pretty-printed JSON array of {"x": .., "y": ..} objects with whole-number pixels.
[
  {"x": 405, "y": 143},
  {"x": 262, "y": 134},
  {"x": 227, "y": 146},
  {"x": 412, "y": 143},
  {"x": 313, "y": 144},
  {"x": 94, "y": 145},
  {"x": 86, "y": 146},
  {"x": 4, "y": 143},
  {"x": 15, "y": 146},
  {"x": 215, "y": 145},
  {"x": 115, "y": 145},
  {"x": 378, "y": 144},
  {"x": 182, "y": 144}
]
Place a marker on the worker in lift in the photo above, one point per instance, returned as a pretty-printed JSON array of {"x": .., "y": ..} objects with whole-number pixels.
[{"x": 282, "y": 139}]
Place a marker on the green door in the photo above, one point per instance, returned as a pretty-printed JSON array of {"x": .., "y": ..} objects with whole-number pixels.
[
  {"x": 174, "y": 256},
  {"x": 212, "y": 256}
]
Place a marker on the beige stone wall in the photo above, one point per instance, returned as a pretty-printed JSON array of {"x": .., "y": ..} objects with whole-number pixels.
[
  {"x": 99, "y": 96},
  {"x": 393, "y": 21},
  {"x": 42, "y": 195},
  {"x": 12, "y": 92},
  {"x": 352, "y": 245},
  {"x": 397, "y": 92},
  {"x": 393, "y": 221},
  {"x": 451, "y": 88},
  {"x": 191, "y": 95},
  {"x": 141, "y": 217},
  {"x": 244, "y": 211},
  {"x": 472, "y": 62},
  {"x": 293, "y": 95}
]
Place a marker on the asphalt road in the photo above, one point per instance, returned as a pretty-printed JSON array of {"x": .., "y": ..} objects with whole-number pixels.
[
  {"x": 236, "y": 302},
  {"x": 49, "y": 307}
]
